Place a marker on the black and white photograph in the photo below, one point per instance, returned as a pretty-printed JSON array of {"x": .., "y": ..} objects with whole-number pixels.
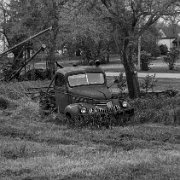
[{"x": 89, "y": 89}]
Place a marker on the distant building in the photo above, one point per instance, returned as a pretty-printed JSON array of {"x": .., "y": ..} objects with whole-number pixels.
[{"x": 167, "y": 40}]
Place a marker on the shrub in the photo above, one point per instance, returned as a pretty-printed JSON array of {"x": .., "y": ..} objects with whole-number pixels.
[
  {"x": 154, "y": 109},
  {"x": 155, "y": 52},
  {"x": 149, "y": 82},
  {"x": 121, "y": 82},
  {"x": 163, "y": 49},
  {"x": 171, "y": 58},
  {"x": 145, "y": 60}
]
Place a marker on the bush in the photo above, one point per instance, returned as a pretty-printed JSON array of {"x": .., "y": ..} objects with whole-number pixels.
[
  {"x": 153, "y": 109},
  {"x": 171, "y": 58},
  {"x": 163, "y": 49},
  {"x": 149, "y": 82},
  {"x": 121, "y": 82},
  {"x": 145, "y": 60},
  {"x": 156, "y": 52}
]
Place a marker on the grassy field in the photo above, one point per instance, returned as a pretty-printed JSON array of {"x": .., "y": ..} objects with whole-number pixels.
[
  {"x": 160, "y": 85},
  {"x": 35, "y": 148},
  {"x": 156, "y": 68}
]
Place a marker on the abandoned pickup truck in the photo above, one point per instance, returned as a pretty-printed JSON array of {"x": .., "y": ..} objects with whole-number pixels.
[{"x": 79, "y": 92}]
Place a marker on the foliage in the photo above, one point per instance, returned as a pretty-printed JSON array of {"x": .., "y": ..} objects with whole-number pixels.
[
  {"x": 171, "y": 58},
  {"x": 99, "y": 20},
  {"x": 164, "y": 49},
  {"x": 128, "y": 21},
  {"x": 145, "y": 60},
  {"x": 149, "y": 41},
  {"x": 34, "y": 74},
  {"x": 156, "y": 52},
  {"x": 28, "y": 18},
  {"x": 149, "y": 82},
  {"x": 87, "y": 33},
  {"x": 155, "y": 109},
  {"x": 170, "y": 26},
  {"x": 121, "y": 82},
  {"x": 138, "y": 18}
]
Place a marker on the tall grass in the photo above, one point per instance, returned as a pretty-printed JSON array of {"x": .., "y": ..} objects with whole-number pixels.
[
  {"x": 14, "y": 94},
  {"x": 155, "y": 109},
  {"x": 148, "y": 109},
  {"x": 31, "y": 148}
]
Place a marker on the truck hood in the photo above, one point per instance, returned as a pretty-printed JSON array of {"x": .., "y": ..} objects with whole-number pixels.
[{"x": 101, "y": 93}]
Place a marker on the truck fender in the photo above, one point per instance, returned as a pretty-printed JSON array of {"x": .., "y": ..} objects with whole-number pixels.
[{"x": 72, "y": 110}]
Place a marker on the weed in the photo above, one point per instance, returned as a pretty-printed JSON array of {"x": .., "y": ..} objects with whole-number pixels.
[
  {"x": 121, "y": 82},
  {"x": 149, "y": 82},
  {"x": 151, "y": 109}
]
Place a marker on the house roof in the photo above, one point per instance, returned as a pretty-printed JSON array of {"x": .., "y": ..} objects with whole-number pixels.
[
  {"x": 168, "y": 33},
  {"x": 168, "y": 38}
]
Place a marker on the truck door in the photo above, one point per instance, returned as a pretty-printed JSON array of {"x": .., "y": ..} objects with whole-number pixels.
[{"x": 61, "y": 93}]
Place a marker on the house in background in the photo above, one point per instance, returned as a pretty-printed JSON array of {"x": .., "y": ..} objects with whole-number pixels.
[{"x": 166, "y": 39}]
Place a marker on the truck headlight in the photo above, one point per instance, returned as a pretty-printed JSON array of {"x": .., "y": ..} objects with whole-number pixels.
[
  {"x": 83, "y": 110},
  {"x": 125, "y": 104}
]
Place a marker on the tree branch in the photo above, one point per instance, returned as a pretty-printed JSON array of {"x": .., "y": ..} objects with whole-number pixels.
[{"x": 156, "y": 16}]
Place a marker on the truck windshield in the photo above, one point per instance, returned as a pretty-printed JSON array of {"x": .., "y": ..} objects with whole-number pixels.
[{"x": 86, "y": 79}]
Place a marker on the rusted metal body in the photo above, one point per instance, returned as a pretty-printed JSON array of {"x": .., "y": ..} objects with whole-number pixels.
[{"x": 83, "y": 92}]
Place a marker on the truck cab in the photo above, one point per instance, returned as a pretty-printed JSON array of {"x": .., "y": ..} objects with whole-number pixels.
[{"x": 83, "y": 91}]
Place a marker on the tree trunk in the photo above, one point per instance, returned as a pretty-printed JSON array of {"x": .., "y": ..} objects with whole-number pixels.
[
  {"x": 108, "y": 53},
  {"x": 18, "y": 56},
  {"x": 131, "y": 75},
  {"x": 50, "y": 62}
]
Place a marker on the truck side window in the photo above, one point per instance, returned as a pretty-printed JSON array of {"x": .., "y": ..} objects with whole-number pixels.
[{"x": 59, "y": 80}]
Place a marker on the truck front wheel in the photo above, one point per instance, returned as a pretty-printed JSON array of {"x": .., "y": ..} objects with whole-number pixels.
[{"x": 70, "y": 120}]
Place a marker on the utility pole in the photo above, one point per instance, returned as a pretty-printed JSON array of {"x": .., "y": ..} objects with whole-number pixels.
[
  {"x": 139, "y": 49},
  {"x": 139, "y": 53}
]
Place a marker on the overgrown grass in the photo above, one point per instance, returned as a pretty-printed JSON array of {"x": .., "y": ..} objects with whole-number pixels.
[
  {"x": 156, "y": 109},
  {"x": 122, "y": 153},
  {"x": 34, "y": 148}
]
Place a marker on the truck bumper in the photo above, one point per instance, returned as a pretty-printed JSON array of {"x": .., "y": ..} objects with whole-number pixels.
[{"x": 126, "y": 113}]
